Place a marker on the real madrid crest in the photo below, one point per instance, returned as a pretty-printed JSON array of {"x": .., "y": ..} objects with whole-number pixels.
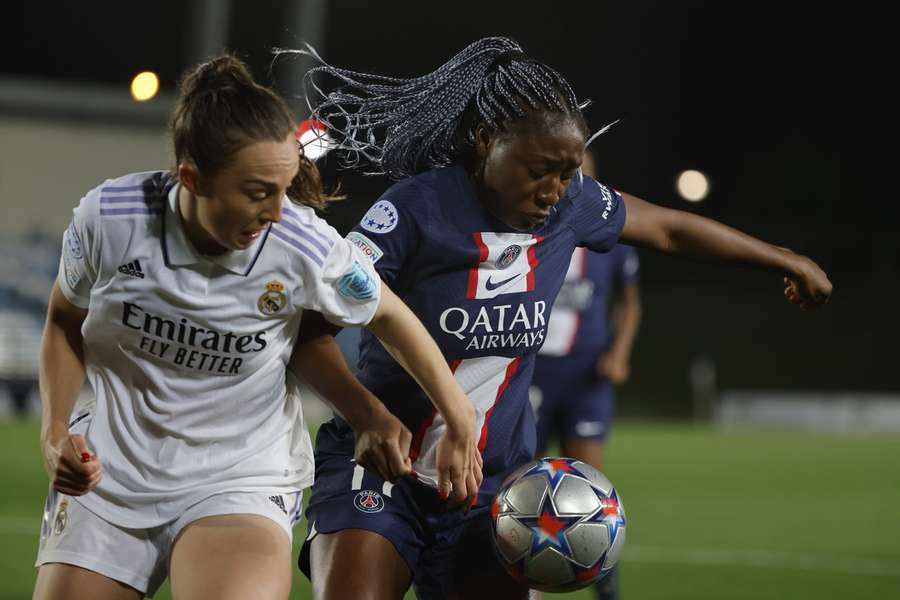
[
  {"x": 62, "y": 517},
  {"x": 273, "y": 299}
]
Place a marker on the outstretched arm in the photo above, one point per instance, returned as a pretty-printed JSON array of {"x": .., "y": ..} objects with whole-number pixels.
[{"x": 686, "y": 234}]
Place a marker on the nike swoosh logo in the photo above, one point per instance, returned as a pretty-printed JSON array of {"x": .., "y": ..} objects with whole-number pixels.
[{"x": 491, "y": 286}]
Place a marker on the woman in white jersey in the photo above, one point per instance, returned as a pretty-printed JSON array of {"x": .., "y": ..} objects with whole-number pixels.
[{"x": 179, "y": 299}]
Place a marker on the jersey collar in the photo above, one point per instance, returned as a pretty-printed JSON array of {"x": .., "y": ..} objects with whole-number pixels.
[{"x": 178, "y": 250}]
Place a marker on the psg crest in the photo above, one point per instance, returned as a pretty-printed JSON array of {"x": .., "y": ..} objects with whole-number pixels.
[
  {"x": 273, "y": 300},
  {"x": 369, "y": 501},
  {"x": 509, "y": 256}
]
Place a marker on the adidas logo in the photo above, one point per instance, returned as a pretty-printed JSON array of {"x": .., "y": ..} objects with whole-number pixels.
[
  {"x": 133, "y": 269},
  {"x": 279, "y": 502}
]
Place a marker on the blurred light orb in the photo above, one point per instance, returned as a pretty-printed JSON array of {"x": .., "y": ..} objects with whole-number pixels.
[
  {"x": 312, "y": 135},
  {"x": 144, "y": 86},
  {"x": 692, "y": 185}
]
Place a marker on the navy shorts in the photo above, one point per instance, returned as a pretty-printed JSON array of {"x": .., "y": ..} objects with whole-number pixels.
[
  {"x": 570, "y": 401},
  {"x": 441, "y": 547}
]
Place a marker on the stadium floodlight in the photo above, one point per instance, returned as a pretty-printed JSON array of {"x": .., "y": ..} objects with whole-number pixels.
[
  {"x": 692, "y": 185},
  {"x": 144, "y": 86}
]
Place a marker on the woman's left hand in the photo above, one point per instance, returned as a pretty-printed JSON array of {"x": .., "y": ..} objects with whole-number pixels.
[
  {"x": 807, "y": 285},
  {"x": 382, "y": 444}
]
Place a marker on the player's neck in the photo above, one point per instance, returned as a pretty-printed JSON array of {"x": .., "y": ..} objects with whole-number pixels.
[{"x": 199, "y": 238}]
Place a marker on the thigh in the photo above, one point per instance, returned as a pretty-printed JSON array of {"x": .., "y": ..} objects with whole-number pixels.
[
  {"x": 359, "y": 564},
  {"x": 346, "y": 497},
  {"x": 463, "y": 565},
  {"x": 587, "y": 421},
  {"x": 57, "y": 581},
  {"x": 231, "y": 556}
]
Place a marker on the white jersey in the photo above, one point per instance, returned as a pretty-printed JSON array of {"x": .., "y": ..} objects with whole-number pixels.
[{"x": 187, "y": 354}]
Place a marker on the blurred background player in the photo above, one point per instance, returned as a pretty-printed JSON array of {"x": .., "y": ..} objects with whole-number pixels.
[
  {"x": 476, "y": 239},
  {"x": 587, "y": 352},
  {"x": 179, "y": 298}
]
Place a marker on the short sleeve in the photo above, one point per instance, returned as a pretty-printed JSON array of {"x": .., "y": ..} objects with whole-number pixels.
[
  {"x": 599, "y": 216},
  {"x": 80, "y": 260},
  {"x": 388, "y": 233},
  {"x": 348, "y": 289}
]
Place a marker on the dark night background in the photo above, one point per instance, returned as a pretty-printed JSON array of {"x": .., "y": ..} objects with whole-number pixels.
[{"x": 789, "y": 107}]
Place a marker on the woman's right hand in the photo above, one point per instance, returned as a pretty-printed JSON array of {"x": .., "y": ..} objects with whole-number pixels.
[
  {"x": 72, "y": 468},
  {"x": 459, "y": 463}
]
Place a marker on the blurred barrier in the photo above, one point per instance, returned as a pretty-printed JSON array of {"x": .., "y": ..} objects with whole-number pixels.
[{"x": 844, "y": 412}]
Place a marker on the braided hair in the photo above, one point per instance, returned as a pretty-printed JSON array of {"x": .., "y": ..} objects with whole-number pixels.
[{"x": 406, "y": 126}]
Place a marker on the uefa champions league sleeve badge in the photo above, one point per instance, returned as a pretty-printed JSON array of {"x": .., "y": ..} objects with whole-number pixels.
[{"x": 273, "y": 299}]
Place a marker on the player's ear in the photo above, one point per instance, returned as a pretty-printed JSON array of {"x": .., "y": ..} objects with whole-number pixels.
[
  {"x": 189, "y": 176},
  {"x": 482, "y": 142}
]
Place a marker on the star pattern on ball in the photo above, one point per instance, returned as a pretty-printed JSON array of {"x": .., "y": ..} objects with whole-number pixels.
[
  {"x": 610, "y": 514},
  {"x": 548, "y": 529},
  {"x": 555, "y": 469}
]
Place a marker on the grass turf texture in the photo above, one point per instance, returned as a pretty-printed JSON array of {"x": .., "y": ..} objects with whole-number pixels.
[{"x": 711, "y": 515}]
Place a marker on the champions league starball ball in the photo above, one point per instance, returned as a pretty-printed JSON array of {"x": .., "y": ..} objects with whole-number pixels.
[{"x": 557, "y": 525}]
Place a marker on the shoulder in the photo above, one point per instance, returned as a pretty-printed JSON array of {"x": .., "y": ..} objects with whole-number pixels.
[
  {"x": 303, "y": 234},
  {"x": 595, "y": 202},
  {"x": 419, "y": 192},
  {"x": 593, "y": 191},
  {"x": 136, "y": 196},
  {"x": 411, "y": 201}
]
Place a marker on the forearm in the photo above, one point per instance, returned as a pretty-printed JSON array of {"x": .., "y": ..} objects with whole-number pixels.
[
  {"x": 61, "y": 374},
  {"x": 407, "y": 340},
  {"x": 627, "y": 322},
  {"x": 690, "y": 235},
  {"x": 318, "y": 360}
]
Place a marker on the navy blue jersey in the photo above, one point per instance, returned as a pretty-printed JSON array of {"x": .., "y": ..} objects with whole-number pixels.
[
  {"x": 579, "y": 322},
  {"x": 484, "y": 292}
]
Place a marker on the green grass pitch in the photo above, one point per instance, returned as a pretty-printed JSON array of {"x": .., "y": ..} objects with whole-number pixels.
[{"x": 711, "y": 515}]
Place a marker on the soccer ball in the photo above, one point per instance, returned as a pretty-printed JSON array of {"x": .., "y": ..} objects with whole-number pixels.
[{"x": 557, "y": 524}]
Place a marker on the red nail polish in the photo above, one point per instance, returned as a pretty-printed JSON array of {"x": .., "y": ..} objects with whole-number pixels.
[
  {"x": 85, "y": 457},
  {"x": 444, "y": 495}
]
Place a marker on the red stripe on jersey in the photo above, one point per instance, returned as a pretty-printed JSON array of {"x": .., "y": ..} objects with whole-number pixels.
[
  {"x": 473, "y": 272},
  {"x": 416, "y": 445},
  {"x": 574, "y": 335},
  {"x": 510, "y": 371},
  {"x": 583, "y": 257},
  {"x": 532, "y": 262}
]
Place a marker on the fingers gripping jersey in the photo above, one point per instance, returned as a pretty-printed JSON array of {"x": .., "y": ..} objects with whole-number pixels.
[
  {"x": 187, "y": 354},
  {"x": 484, "y": 292}
]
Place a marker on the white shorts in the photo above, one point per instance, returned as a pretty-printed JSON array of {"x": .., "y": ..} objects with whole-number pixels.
[{"x": 73, "y": 535}]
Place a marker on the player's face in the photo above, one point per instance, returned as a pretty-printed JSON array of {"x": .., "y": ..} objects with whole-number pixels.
[
  {"x": 235, "y": 206},
  {"x": 528, "y": 168}
]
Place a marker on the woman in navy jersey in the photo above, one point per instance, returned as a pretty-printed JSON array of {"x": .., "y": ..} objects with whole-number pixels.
[
  {"x": 476, "y": 238},
  {"x": 179, "y": 299}
]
